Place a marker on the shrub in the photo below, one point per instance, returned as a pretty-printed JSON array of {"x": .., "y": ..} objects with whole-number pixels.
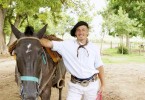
[{"x": 123, "y": 50}]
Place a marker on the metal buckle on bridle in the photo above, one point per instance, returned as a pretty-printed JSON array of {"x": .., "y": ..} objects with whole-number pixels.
[{"x": 85, "y": 83}]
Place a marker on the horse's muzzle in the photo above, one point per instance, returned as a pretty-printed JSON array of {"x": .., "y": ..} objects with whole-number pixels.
[{"x": 30, "y": 96}]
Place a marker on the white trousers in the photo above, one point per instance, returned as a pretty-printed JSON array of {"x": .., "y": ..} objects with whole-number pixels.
[{"x": 78, "y": 92}]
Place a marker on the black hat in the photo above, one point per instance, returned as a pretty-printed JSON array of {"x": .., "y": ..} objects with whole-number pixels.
[{"x": 80, "y": 23}]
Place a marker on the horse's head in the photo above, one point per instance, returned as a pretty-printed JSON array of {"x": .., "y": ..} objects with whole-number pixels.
[{"x": 30, "y": 57}]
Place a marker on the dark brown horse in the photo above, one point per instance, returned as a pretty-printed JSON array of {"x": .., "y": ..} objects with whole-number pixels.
[{"x": 35, "y": 69}]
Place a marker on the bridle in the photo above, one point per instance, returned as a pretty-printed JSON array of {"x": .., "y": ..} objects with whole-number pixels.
[
  {"x": 44, "y": 58},
  {"x": 32, "y": 78}
]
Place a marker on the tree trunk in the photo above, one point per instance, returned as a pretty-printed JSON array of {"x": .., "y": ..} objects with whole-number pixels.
[
  {"x": 127, "y": 41},
  {"x": 103, "y": 35},
  {"x": 12, "y": 37},
  {"x": 121, "y": 43},
  {"x": 111, "y": 45},
  {"x": 3, "y": 47}
]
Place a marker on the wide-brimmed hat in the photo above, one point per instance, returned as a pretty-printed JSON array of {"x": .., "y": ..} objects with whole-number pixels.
[{"x": 80, "y": 23}]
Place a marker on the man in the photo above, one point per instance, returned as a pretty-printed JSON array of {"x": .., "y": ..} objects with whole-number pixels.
[{"x": 82, "y": 60}]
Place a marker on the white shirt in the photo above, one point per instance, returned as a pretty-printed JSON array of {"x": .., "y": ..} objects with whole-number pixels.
[{"x": 83, "y": 66}]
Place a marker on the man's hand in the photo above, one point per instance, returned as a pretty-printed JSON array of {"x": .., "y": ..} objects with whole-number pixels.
[{"x": 101, "y": 89}]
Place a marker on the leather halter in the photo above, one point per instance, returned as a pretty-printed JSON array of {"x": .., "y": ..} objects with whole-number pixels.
[
  {"x": 35, "y": 79},
  {"x": 22, "y": 38},
  {"x": 31, "y": 78}
]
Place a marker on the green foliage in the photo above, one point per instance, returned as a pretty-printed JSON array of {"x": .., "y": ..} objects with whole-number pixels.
[
  {"x": 55, "y": 14},
  {"x": 122, "y": 50},
  {"x": 134, "y": 8},
  {"x": 5, "y": 3},
  {"x": 81, "y": 9},
  {"x": 120, "y": 24},
  {"x": 7, "y": 29},
  {"x": 64, "y": 24}
]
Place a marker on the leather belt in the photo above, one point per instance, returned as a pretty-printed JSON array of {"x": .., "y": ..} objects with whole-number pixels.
[{"x": 83, "y": 82}]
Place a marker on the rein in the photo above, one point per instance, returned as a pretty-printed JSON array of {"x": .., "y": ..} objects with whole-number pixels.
[{"x": 42, "y": 88}]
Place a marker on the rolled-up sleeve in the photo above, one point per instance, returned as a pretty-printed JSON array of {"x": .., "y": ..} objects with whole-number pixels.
[{"x": 57, "y": 46}]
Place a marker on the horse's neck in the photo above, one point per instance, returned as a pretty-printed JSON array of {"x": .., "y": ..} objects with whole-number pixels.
[
  {"x": 47, "y": 70},
  {"x": 48, "y": 66}
]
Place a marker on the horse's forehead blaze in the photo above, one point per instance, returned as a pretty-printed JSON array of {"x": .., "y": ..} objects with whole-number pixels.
[
  {"x": 28, "y": 48},
  {"x": 29, "y": 45}
]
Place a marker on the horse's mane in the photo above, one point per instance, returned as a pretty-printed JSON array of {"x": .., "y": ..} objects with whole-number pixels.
[{"x": 29, "y": 30}]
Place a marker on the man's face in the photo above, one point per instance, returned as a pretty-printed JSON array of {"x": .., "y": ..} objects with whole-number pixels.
[{"x": 82, "y": 32}]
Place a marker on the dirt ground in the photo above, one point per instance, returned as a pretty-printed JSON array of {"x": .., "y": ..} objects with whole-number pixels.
[{"x": 124, "y": 81}]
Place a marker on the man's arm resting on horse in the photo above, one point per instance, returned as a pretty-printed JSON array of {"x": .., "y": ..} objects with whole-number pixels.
[
  {"x": 46, "y": 43},
  {"x": 101, "y": 77}
]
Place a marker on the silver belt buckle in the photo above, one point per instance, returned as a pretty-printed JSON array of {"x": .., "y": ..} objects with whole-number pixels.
[{"x": 85, "y": 83}]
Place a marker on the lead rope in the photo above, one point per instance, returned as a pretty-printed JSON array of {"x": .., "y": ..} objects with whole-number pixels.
[
  {"x": 51, "y": 75},
  {"x": 47, "y": 80}
]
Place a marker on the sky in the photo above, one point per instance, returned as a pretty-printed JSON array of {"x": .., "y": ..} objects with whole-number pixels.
[
  {"x": 99, "y": 4},
  {"x": 97, "y": 21}
]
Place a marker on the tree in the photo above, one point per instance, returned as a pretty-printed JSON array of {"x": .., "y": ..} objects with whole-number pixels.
[
  {"x": 27, "y": 12},
  {"x": 134, "y": 8},
  {"x": 121, "y": 25},
  {"x": 3, "y": 10},
  {"x": 26, "y": 8},
  {"x": 64, "y": 25},
  {"x": 22, "y": 9}
]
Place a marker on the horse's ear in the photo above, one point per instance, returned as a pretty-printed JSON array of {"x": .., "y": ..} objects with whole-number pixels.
[
  {"x": 16, "y": 32},
  {"x": 41, "y": 32}
]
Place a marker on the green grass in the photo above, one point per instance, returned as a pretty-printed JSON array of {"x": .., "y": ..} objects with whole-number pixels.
[{"x": 111, "y": 56}]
